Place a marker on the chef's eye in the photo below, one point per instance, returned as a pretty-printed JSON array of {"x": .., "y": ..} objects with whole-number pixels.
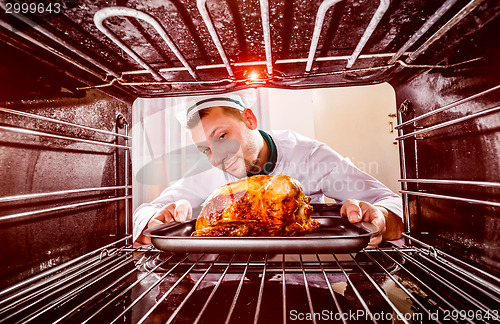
[
  {"x": 222, "y": 136},
  {"x": 206, "y": 151}
]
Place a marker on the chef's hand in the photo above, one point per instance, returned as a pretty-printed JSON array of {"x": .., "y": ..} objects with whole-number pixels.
[
  {"x": 178, "y": 211},
  {"x": 390, "y": 225}
]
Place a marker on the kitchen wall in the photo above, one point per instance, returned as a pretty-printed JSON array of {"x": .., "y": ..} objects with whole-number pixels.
[
  {"x": 354, "y": 121},
  {"x": 288, "y": 109}
]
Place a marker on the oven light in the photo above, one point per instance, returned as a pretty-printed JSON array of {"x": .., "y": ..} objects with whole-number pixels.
[{"x": 254, "y": 76}]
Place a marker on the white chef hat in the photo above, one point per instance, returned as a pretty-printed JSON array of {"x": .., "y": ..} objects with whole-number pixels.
[{"x": 241, "y": 100}]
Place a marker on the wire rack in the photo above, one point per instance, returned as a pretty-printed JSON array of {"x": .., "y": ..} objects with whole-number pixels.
[
  {"x": 191, "y": 75},
  {"x": 143, "y": 285}
]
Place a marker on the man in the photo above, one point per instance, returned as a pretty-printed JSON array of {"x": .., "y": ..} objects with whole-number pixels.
[{"x": 225, "y": 130}]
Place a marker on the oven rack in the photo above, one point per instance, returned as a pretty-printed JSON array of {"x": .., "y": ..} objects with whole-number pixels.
[
  {"x": 155, "y": 79},
  {"x": 112, "y": 194},
  {"x": 413, "y": 130},
  {"x": 118, "y": 283},
  {"x": 393, "y": 62}
]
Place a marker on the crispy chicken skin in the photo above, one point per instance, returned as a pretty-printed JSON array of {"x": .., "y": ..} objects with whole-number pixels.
[{"x": 260, "y": 205}]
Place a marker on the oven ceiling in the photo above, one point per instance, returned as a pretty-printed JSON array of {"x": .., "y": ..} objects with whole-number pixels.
[{"x": 227, "y": 45}]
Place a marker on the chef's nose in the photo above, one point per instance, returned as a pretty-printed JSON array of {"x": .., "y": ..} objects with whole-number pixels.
[
  {"x": 217, "y": 158},
  {"x": 223, "y": 150}
]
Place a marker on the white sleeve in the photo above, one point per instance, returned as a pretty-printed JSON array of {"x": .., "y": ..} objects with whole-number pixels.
[
  {"x": 171, "y": 194},
  {"x": 337, "y": 178},
  {"x": 195, "y": 189}
]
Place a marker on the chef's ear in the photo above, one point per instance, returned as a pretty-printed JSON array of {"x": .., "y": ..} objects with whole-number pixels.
[{"x": 249, "y": 118}]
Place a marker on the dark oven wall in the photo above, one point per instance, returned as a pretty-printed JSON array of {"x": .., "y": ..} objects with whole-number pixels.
[
  {"x": 41, "y": 231},
  {"x": 463, "y": 150}
]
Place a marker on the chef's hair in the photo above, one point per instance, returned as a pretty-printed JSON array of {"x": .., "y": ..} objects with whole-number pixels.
[{"x": 195, "y": 118}]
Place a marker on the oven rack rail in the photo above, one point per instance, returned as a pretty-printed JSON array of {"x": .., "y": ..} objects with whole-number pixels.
[
  {"x": 410, "y": 130},
  {"x": 108, "y": 140},
  {"x": 119, "y": 283},
  {"x": 166, "y": 77}
]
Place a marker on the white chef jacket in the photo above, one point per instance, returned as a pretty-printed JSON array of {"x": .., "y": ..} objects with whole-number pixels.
[{"x": 320, "y": 170}]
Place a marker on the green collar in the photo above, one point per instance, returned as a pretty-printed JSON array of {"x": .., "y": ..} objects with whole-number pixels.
[{"x": 273, "y": 154}]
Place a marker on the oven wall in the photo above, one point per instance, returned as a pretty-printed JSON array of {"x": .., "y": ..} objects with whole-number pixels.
[
  {"x": 32, "y": 164},
  {"x": 467, "y": 151}
]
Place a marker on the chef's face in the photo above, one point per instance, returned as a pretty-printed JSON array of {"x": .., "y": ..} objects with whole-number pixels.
[{"x": 229, "y": 141}]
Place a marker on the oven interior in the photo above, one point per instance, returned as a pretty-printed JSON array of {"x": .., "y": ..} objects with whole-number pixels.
[{"x": 68, "y": 79}]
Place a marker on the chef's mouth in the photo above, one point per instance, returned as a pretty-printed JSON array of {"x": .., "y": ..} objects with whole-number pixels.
[{"x": 230, "y": 165}]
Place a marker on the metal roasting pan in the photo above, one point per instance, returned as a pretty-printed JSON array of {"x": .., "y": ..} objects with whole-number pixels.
[{"x": 336, "y": 235}]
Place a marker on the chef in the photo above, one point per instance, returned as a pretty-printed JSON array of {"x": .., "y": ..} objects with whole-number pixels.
[{"x": 224, "y": 129}]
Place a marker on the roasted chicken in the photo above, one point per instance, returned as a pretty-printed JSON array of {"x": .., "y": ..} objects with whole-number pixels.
[{"x": 260, "y": 205}]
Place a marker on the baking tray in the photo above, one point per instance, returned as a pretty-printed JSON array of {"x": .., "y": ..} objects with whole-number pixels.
[{"x": 335, "y": 235}]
